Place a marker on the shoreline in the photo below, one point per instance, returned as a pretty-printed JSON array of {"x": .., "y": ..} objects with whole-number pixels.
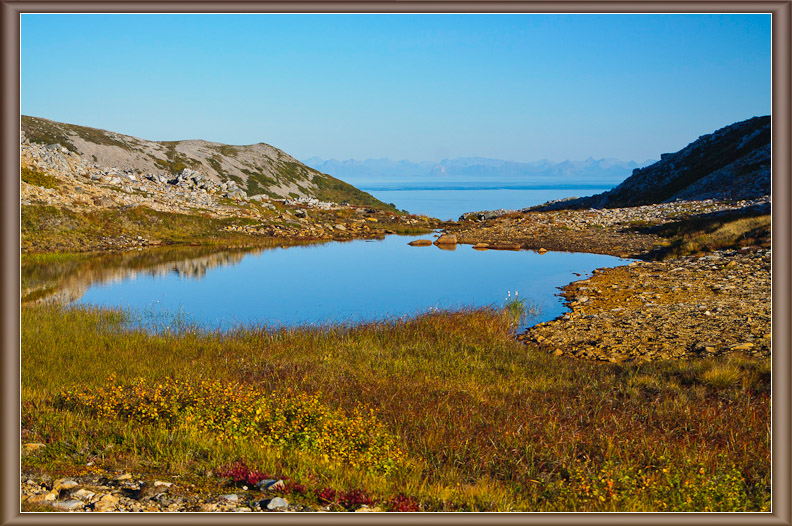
[{"x": 658, "y": 307}]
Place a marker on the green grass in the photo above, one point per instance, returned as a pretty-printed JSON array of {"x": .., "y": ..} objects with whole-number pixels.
[
  {"x": 228, "y": 151},
  {"x": 38, "y": 178},
  {"x": 49, "y": 228},
  {"x": 175, "y": 161},
  {"x": 47, "y": 132},
  {"x": 44, "y": 132},
  {"x": 485, "y": 423},
  {"x": 337, "y": 191}
]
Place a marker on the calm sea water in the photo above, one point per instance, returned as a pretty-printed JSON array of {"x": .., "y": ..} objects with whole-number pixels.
[
  {"x": 454, "y": 200},
  {"x": 342, "y": 282}
]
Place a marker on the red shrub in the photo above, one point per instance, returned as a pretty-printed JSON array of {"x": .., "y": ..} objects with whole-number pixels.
[
  {"x": 355, "y": 498},
  {"x": 402, "y": 502},
  {"x": 326, "y": 496},
  {"x": 241, "y": 474}
]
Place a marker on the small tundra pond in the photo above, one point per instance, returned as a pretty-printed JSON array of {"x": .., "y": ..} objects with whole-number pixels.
[{"x": 333, "y": 282}]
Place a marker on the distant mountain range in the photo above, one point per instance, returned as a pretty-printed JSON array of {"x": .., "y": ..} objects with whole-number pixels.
[
  {"x": 730, "y": 163},
  {"x": 379, "y": 173}
]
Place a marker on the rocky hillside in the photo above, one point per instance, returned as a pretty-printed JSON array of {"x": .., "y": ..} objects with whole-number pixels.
[
  {"x": 731, "y": 163},
  {"x": 242, "y": 171}
]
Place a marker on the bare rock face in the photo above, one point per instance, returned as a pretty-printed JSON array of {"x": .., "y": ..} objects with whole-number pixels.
[{"x": 731, "y": 163}]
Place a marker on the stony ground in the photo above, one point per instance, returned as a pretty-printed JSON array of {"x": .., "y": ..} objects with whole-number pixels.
[
  {"x": 615, "y": 231},
  {"x": 686, "y": 307},
  {"x": 124, "y": 492},
  {"x": 679, "y": 308}
]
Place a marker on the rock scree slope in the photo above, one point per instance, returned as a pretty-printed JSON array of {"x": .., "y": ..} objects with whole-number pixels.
[{"x": 247, "y": 171}]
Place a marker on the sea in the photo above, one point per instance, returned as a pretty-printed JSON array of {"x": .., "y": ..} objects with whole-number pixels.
[{"x": 451, "y": 200}]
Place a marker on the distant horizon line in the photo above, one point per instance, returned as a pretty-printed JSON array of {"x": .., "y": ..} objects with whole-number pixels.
[{"x": 306, "y": 160}]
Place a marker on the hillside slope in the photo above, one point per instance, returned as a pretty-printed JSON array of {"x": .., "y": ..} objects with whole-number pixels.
[
  {"x": 731, "y": 163},
  {"x": 256, "y": 169}
]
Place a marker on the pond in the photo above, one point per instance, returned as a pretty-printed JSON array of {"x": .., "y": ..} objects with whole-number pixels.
[{"x": 333, "y": 282}]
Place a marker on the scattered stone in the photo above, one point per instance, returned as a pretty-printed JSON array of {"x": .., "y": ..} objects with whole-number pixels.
[
  {"x": 420, "y": 243},
  {"x": 68, "y": 505},
  {"x": 107, "y": 503},
  {"x": 64, "y": 484},
  {"x": 275, "y": 504},
  {"x": 83, "y": 494},
  {"x": 655, "y": 314},
  {"x": 270, "y": 485},
  {"x": 43, "y": 498}
]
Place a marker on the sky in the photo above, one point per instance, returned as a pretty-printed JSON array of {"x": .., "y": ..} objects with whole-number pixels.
[{"x": 424, "y": 87}]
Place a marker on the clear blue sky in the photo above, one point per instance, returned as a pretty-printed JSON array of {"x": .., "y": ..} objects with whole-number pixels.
[{"x": 417, "y": 87}]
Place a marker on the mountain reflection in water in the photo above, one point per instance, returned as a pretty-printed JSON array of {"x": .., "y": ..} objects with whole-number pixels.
[{"x": 329, "y": 283}]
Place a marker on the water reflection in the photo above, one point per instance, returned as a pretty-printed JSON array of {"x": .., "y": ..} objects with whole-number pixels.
[
  {"x": 67, "y": 280},
  {"x": 334, "y": 282}
]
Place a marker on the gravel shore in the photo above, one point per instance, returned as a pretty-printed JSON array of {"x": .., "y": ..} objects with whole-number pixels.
[{"x": 707, "y": 305}]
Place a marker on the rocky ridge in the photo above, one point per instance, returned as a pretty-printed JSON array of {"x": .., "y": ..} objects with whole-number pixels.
[
  {"x": 730, "y": 163},
  {"x": 82, "y": 186},
  {"x": 246, "y": 171}
]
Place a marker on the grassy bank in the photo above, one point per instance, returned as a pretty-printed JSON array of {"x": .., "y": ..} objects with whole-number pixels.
[
  {"x": 710, "y": 232},
  {"x": 49, "y": 228},
  {"x": 444, "y": 411}
]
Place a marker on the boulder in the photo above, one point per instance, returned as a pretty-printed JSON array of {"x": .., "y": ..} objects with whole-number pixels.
[
  {"x": 274, "y": 504},
  {"x": 106, "y": 503},
  {"x": 270, "y": 485},
  {"x": 68, "y": 505},
  {"x": 446, "y": 239},
  {"x": 420, "y": 243}
]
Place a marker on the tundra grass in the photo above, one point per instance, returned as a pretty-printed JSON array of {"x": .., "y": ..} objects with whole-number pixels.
[
  {"x": 50, "y": 228},
  {"x": 38, "y": 178},
  {"x": 702, "y": 234},
  {"x": 483, "y": 423}
]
